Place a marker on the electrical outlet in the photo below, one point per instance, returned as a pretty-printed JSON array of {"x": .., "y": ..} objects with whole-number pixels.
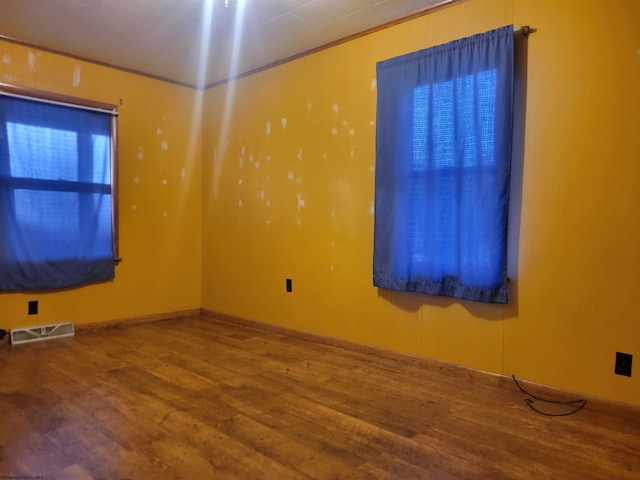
[
  {"x": 289, "y": 285},
  {"x": 33, "y": 307},
  {"x": 623, "y": 364}
]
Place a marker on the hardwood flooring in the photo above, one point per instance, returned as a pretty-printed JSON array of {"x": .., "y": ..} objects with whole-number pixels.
[{"x": 199, "y": 398}]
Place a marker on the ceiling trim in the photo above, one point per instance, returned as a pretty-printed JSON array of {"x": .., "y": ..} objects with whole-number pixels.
[
  {"x": 431, "y": 9},
  {"x": 428, "y": 10},
  {"x": 95, "y": 62}
]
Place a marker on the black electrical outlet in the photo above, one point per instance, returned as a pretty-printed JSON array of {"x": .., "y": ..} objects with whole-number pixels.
[
  {"x": 623, "y": 364},
  {"x": 289, "y": 285},
  {"x": 33, "y": 307}
]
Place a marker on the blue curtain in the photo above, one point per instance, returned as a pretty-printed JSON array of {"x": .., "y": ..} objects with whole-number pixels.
[
  {"x": 55, "y": 196},
  {"x": 443, "y": 159}
]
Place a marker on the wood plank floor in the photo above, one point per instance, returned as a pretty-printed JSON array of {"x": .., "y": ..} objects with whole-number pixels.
[{"x": 200, "y": 398}]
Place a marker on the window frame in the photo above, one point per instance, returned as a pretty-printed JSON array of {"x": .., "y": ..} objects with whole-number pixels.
[{"x": 77, "y": 102}]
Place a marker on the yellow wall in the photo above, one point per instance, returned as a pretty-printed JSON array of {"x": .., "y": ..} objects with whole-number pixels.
[
  {"x": 288, "y": 177},
  {"x": 160, "y": 223}
]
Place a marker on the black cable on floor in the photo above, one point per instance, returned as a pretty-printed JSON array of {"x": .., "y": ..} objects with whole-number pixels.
[{"x": 529, "y": 401}]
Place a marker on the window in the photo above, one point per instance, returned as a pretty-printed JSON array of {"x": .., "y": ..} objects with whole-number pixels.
[
  {"x": 443, "y": 158},
  {"x": 57, "y": 192}
]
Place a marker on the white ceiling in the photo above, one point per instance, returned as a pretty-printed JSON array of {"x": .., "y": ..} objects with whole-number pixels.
[{"x": 164, "y": 38}]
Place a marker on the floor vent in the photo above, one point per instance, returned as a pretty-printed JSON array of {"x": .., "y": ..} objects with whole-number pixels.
[{"x": 41, "y": 332}]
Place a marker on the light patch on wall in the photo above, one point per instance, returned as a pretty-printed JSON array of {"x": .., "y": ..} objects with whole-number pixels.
[
  {"x": 158, "y": 131},
  {"x": 284, "y": 122},
  {"x": 336, "y": 108},
  {"x": 262, "y": 195},
  {"x": 164, "y": 145},
  {"x": 183, "y": 173},
  {"x": 333, "y": 214},
  {"x": 352, "y": 132},
  {"x": 324, "y": 157},
  {"x": 31, "y": 61},
  {"x": 240, "y": 203},
  {"x": 372, "y": 208},
  {"x": 241, "y": 157},
  {"x": 76, "y": 76},
  {"x": 268, "y": 158},
  {"x": 268, "y": 222},
  {"x": 140, "y": 153},
  {"x": 300, "y": 155},
  {"x": 6, "y": 58},
  {"x": 334, "y": 131},
  {"x": 268, "y": 129},
  {"x": 352, "y": 153},
  {"x": 239, "y": 182},
  {"x": 290, "y": 175},
  {"x": 299, "y": 180},
  {"x": 257, "y": 164},
  {"x": 136, "y": 179},
  {"x": 374, "y": 84},
  {"x": 7, "y": 77},
  {"x": 309, "y": 105},
  {"x": 164, "y": 181},
  {"x": 300, "y": 206},
  {"x": 134, "y": 207},
  {"x": 269, "y": 203},
  {"x": 165, "y": 213},
  {"x": 372, "y": 123}
]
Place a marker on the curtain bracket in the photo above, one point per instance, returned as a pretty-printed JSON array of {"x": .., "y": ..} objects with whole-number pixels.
[{"x": 526, "y": 30}]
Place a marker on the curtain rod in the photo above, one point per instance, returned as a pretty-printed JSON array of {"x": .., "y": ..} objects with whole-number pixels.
[
  {"x": 525, "y": 30},
  {"x": 113, "y": 112}
]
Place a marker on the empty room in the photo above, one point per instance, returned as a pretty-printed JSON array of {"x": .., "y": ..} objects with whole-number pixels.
[{"x": 319, "y": 239}]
